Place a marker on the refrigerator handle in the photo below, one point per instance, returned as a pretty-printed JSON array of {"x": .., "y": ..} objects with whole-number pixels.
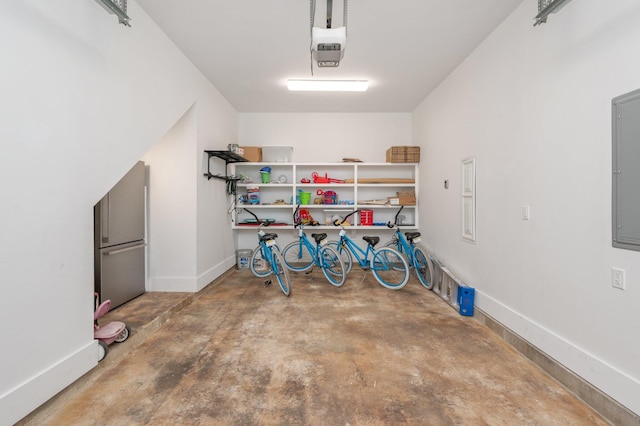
[
  {"x": 109, "y": 253},
  {"x": 104, "y": 219}
]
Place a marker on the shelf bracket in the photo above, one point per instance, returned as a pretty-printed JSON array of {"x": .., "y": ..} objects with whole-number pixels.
[{"x": 228, "y": 157}]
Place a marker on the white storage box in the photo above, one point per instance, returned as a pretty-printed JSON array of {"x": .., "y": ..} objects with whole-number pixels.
[{"x": 277, "y": 154}]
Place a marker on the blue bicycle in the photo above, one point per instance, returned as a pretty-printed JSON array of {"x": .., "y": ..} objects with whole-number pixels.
[
  {"x": 416, "y": 255},
  {"x": 302, "y": 255},
  {"x": 267, "y": 260},
  {"x": 389, "y": 267}
]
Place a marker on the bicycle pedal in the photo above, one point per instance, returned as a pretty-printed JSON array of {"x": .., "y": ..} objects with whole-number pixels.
[{"x": 267, "y": 283}]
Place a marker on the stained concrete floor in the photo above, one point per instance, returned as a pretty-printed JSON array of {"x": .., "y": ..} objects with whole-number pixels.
[{"x": 240, "y": 354}]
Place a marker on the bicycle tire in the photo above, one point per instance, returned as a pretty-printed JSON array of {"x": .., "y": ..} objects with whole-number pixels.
[
  {"x": 397, "y": 246},
  {"x": 332, "y": 265},
  {"x": 390, "y": 268},
  {"x": 422, "y": 267},
  {"x": 344, "y": 253},
  {"x": 281, "y": 272},
  {"x": 297, "y": 256},
  {"x": 259, "y": 265}
]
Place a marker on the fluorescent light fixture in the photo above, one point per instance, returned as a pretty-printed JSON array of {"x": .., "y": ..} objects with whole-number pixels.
[{"x": 328, "y": 85}]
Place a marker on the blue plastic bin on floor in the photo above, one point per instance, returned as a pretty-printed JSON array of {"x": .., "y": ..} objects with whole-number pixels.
[{"x": 466, "y": 295}]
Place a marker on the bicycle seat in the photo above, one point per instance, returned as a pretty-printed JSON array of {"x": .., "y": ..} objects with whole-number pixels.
[
  {"x": 412, "y": 235},
  {"x": 372, "y": 240},
  {"x": 319, "y": 237},
  {"x": 267, "y": 237}
]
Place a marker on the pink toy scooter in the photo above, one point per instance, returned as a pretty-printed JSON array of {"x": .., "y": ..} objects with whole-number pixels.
[{"x": 115, "y": 331}]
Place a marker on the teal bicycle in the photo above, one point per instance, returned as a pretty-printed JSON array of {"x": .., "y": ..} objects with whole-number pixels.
[
  {"x": 415, "y": 254},
  {"x": 266, "y": 259},
  {"x": 388, "y": 266},
  {"x": 302, "y": 255}
]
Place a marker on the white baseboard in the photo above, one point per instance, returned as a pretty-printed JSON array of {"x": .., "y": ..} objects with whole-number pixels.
[
  {"x": 613, "y": 382},
  {"x": 173, "y": 284},
  {"x": 191, "y": 284},
  {"x": 18, "y": 402},
  {"x": 206, "y": 278}
]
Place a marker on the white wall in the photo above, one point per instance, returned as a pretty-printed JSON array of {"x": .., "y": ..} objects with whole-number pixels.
[
  {"x": 172, "y": 199},
  {"x": 327, "y": 137},
  {"x": 215, "y": 248},
  {"x": 534, "y": 106},
  {"x": 83, "y": 99}
]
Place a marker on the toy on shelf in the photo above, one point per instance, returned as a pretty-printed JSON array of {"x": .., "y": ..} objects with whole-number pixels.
[
  {"x": 305, "y": 218},
  {"x": 326, "y": 179}
]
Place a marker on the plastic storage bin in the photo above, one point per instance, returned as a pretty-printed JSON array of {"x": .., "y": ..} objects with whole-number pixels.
[{"x": 243, "y": 257}]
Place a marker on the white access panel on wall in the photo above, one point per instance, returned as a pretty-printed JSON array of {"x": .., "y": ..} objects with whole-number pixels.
[
  {"x": 468, "y": 199},
  {"x": 626, "y": 171}
]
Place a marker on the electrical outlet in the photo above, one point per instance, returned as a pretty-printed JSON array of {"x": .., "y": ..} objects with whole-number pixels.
[{"x": 617, "y": 278}]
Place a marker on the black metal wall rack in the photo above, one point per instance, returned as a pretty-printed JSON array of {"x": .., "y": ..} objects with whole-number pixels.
[{"x": 228, "y": 157}]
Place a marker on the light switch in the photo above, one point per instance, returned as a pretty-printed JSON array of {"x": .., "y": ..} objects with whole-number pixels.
[{"x": 525, "y": 213}]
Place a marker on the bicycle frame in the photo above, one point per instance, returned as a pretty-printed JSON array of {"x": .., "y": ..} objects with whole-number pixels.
[
  {"x": 302, "y": 254},
  {"x": 362, "y": 256},
  {"x": 269, "y": 252},
  {"x": 304, "y": 241},
  {"x": 417, "y": 257},
  {"x": 403, "y": 245},
  {"x": 389, "y": 268}
]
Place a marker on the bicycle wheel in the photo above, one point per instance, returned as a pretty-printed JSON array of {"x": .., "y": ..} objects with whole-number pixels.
[
  {"x": 397, "y": 246},
  {"x": 259, "y": 264},
  {"x": 390, "y": 268},
  {"x": 297, "y": 256},
  {"x": 280, "y": 271},
  {"x": 344, "y": 253},
  {"x": 422, "y": 267},
  {"x": 394, "y": 243},
  {"x": 332, "y": 265}
]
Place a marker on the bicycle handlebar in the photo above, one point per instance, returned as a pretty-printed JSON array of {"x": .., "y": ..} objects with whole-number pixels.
[
  {"x": 395, "y": 219},
  {"x": 261, "y": 222},
  {"x": 344, "y": 219},
  {"x": 299, "y": 222}
]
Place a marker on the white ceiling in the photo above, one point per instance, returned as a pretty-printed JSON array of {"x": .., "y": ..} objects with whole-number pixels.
[{"x": 249, "y": 48}]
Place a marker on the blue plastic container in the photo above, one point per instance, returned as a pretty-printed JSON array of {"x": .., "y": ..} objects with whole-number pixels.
[{"x": 466, "y": 296}]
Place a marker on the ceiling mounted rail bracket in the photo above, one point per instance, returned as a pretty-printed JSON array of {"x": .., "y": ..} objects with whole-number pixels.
[
  {"x": 118, "y": 8},
  {"x": 547, "y": 7},
  {"x": 329, "y": 12},
  {"x": 328, "y": 44}
]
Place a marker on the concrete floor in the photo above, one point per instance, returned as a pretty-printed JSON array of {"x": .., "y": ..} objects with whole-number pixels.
[{"x": 239, "y": 353}]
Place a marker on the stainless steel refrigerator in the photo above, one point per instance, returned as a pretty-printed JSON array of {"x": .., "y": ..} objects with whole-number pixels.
[{"x": 119, "y": 239}]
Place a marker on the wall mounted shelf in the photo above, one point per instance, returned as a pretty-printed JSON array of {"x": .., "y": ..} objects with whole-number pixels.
[
  {"x": 228, "y": 157},
  {"x": 366, "y": 186}
]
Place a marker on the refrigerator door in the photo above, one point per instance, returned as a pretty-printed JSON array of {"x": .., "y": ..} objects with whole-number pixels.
[
  {"x": 120, "y": 214},
  {"x": 120, "y": 272}
]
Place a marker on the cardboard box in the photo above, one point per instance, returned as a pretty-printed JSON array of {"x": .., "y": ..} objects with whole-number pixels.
[
  {"x": 403, "y": 154},
  {"x": 252, "y": 153},
  {"x": 407, "y": 193},
  {"x": 401, "y": 201}
]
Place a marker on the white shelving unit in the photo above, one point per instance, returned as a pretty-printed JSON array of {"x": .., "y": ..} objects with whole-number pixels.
[{"x": 363, "y": 182}]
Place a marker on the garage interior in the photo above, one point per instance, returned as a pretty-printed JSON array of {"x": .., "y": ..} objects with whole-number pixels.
[{"x": 529, "y": 100}]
